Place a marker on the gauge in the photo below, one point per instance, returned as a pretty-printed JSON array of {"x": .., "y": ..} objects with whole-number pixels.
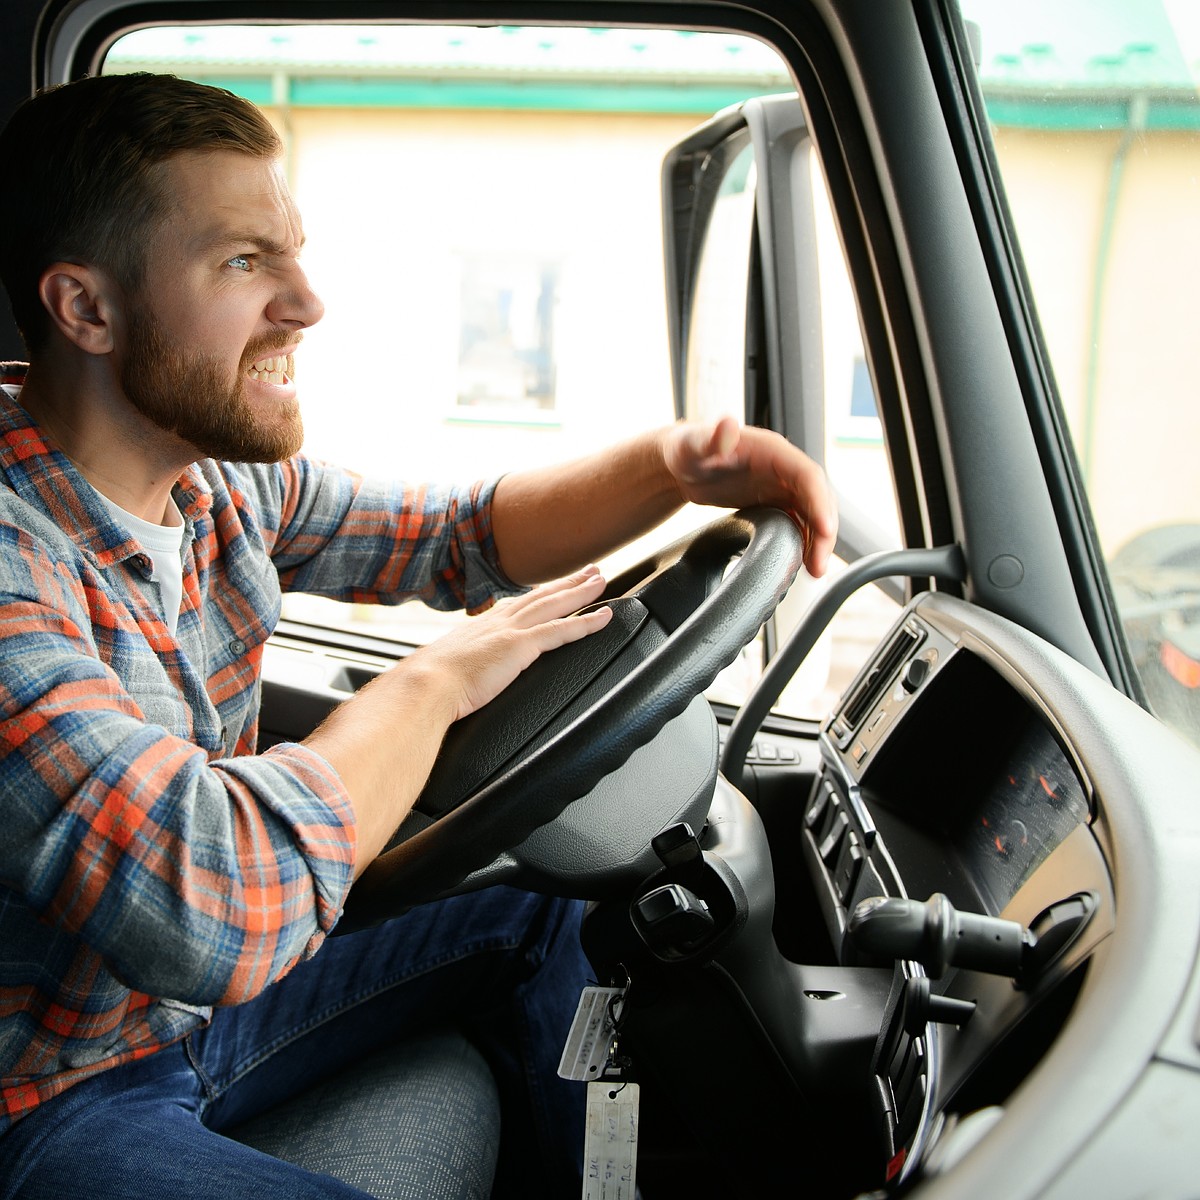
[{"x": 1003, "y": 834}]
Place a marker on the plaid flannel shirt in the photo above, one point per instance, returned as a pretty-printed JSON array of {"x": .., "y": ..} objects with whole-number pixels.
[{"x": 151, "y": 864}]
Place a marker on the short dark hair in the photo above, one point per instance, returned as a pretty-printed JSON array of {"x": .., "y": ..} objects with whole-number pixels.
[{"x": 85, "y": 174}]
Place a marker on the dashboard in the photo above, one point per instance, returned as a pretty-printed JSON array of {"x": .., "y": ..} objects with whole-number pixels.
[
  {"x": 972, "y": 761},
  {"x": 992, "y": 804},
  {"x": 944, "y": 774}
]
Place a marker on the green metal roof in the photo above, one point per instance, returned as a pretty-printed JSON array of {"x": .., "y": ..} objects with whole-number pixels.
[
  {"x": 1044, "y": 63},
  {"x": 464, "y": 67},
  {"x": 476, "y": 50},
  {"x": 1089, "y": 64},
  {"x": 1088, "y": 45}
]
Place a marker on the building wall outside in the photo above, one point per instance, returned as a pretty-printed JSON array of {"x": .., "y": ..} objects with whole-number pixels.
[
  {"x": 395, "y": 201},
  {"x": 1120, "y": 318}
]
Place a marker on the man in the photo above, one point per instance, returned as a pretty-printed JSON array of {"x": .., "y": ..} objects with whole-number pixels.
[{"x": 154, "y": 867}]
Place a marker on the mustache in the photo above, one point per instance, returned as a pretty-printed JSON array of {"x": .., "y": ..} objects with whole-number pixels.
[{"x": 269, "y": 343}]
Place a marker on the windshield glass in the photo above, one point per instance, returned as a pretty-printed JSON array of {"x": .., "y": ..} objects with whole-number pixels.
[
  {"x": 1096, "y": 121},
  {"x": 483, "y": 214}
]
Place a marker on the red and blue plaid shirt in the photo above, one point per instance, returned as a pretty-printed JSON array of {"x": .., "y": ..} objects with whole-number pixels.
[{"x": 151, "y": 864}]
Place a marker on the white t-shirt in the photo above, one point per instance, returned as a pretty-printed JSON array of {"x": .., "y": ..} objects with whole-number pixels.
[{"x": 162, "y": 543}]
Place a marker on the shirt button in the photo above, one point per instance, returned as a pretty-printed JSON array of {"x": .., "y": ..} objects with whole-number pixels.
[{"x": 237, "y": 646}]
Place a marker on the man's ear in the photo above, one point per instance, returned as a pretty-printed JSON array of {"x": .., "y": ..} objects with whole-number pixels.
[{"x": 80, "y": 301}]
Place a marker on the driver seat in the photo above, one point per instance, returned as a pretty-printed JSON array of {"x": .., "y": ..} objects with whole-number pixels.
[{"x": 418, "y": 1121}]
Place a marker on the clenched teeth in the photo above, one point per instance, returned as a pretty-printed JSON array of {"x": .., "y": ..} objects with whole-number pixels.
[{"x": 276, "y": 369}]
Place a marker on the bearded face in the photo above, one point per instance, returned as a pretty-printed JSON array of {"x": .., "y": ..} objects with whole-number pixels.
[{"x": 194, "y": 395}]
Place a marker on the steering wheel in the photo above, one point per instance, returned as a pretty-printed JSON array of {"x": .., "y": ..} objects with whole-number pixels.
[{"x": 581, "y": 712}]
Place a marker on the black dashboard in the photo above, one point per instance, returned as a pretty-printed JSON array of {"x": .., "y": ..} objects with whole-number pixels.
[
  {"x": 944, "y": 774},
  {"x": 973, "y": 820}
]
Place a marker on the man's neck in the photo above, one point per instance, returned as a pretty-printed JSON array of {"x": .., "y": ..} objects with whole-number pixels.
[{"x": 120, "y": 452}]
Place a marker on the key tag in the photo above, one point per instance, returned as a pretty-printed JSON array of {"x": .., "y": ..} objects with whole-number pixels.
[
  {"x": 590, "y": 1039},
  {"x": 610, "y": 1140},
  {"x": 592, "y": 1054}
]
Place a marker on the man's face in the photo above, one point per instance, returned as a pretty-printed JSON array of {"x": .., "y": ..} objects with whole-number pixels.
[{"x": 211, "y": 335}]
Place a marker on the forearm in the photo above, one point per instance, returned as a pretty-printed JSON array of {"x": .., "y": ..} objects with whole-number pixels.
[
  {"x": 555, "y": 519},
  {"x": 549, "y": 521},
  {"x": 382, "y": 743}
]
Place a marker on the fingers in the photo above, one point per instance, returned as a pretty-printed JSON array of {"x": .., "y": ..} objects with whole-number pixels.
[
  {"x": 551, "y": 612},
  {"x": 731, "y": 466},
  {"x": 554, "y": 600},
  {"x": 481, "y": 658},
  {"x": 820, "y": 536},
  {"x": 815, "y": 510}
]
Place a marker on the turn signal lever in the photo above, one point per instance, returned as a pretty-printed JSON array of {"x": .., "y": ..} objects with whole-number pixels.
[{"x": 938, "y": 936}]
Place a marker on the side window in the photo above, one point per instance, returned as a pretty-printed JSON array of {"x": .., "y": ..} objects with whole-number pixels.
[
  {"x": 1096, "y": 126},
  {"x": 484, "y": 220},
  {"x": 724, "y": 249}
]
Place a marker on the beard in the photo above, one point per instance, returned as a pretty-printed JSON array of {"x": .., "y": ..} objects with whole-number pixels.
[{"x": 191, "y": 396}]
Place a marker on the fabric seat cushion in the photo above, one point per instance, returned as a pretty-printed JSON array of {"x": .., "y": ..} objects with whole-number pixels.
[{"x": 419, "y": 1121}]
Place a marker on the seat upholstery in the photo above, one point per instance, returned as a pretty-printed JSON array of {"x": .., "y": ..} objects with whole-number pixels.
[{"x": 419, "y": 1121}]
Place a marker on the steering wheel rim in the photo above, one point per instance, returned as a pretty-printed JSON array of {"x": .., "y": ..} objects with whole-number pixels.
[{"x": 709, "y": 613}]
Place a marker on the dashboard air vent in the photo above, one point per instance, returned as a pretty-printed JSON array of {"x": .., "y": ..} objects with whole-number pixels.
[{"x": 871, "y": 687}]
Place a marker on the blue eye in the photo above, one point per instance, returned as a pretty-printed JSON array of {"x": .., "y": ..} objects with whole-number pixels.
[{"x": 239, "y": 262}]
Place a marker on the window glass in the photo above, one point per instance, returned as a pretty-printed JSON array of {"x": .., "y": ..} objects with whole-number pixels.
[
  {"x": 506, "y": 363},
  {"x": 484, "y": 223},
  {"x": 1096, "y": 121},
  {"x": 715, "y": 368},
  {"x": 853, "y": 449}
]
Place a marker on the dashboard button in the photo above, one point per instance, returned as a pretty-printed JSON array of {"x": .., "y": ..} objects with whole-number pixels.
[
  {"x": 816, "y": 808},
  {"x": 848, "y": 867},
  {"x": 832, "y": 842},
  {"x": 915, "y": 674}
]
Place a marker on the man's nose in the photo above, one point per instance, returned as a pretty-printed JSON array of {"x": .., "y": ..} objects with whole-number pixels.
[{"x": 296, "y": 304}]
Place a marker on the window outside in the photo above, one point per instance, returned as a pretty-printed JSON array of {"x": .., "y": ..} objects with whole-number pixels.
[
  {"x": 1096, "y": 120},
  {"x": 483, "y": 215},
  {"x": 506, "y": 363}
]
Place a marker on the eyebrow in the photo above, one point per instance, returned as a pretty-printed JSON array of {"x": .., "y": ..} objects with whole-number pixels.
[{"x": 258, "y": 241}]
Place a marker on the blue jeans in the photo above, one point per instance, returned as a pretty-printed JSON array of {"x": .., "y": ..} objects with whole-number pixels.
[{"x": 503, "y": 964}]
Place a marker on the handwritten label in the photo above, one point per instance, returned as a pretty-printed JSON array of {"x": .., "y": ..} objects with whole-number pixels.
[{"x": 610, "y": 1144}]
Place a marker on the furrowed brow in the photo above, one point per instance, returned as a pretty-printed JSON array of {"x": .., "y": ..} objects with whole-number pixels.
[{"x": 233, "y": 241}]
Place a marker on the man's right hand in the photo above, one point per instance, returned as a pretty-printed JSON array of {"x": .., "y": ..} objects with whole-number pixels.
[
  {"x": 383, "y": 740},
  {"x": 478, "y": 660}
]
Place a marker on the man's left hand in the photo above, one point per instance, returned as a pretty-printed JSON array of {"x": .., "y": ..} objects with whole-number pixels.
[{"x": 736, "y": 466}]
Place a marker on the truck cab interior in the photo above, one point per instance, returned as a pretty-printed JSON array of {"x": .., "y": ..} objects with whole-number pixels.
[{"x": 935, "y": 932}]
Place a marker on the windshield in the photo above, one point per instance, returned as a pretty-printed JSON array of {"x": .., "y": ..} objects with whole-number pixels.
[
  {"x": 1096, "y": 122},
  {"x": 484, "y": 203}
]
